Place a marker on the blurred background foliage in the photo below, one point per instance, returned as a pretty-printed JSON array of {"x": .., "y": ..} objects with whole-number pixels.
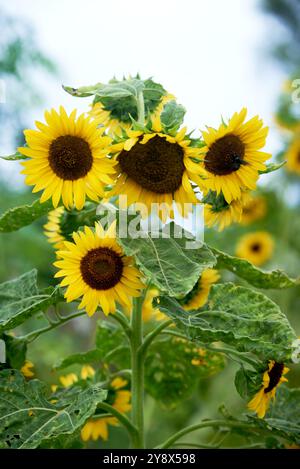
[{"x": 22, "y": 65}]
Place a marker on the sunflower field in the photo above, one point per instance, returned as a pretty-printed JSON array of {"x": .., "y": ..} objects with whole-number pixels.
[{"x": 170, "y": 317}]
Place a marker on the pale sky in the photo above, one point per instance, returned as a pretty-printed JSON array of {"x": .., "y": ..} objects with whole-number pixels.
[{"x": 211, "y": 54}]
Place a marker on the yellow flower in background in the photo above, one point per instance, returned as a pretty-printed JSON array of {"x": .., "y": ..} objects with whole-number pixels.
[
  {"x": 157, "y": 168},
  {"x": 68, "y": 159},
  {"x": 68, "y": 380},
  {"x": 231, "y": 213},
  {"x": 232, "y": 156},
  {"x": 293, "y": 157},
  {"x": 26, "y": 369},
  {"x": 87, "y": 371},
  {"x": 98, "y": 428},
  {"x": 272, "y": 378},
  {"x": 148, "y": 311},
  {"x": 256, "y": 247},
  {"x": 198, "y": 296},
  {"x": 96, "y": 269},
  {"x": 255, "y": 208},
  {"x": 53, "y": 228}
]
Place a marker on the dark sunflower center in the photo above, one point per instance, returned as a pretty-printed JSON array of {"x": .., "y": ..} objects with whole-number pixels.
[
  {"x": 274, "y": 374},
  {"x": 256, "y": 247},
  {"x": 101, "y": 268},
  {"x": 156, "y": 166},
  {"x": 225, "y": 155},
  {"x": 70, "y": 157}
]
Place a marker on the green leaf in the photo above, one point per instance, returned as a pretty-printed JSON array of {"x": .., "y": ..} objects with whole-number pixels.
[
  {"x": 16, "y": 350},
  {"x": 172, "y": 116},
  {"x": 28, "y": 417},
  {"x": 108, "y": 337},
  {"x": 20, "y": 299},
  {"x": 84, "y": 358},
  {"x": 247, "y": 382},
  {"x": 16, "y": 218},
  {"x": 245, "y": 319},
  {"x": 272, "y": 167},
  {"x": 173, "y": 368},
  {"x": 15, "y": 157},
  {"x": 168, "y": 262},
  {"x": 253, "y": 275},
  {"x": 121, "y": 89}
]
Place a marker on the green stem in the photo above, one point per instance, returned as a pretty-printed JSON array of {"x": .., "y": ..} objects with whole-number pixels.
[
  {"x": 137, "y": 367},
  {"x": 123, "y": 321},
  {"x": 132, "y": 430},
  {"x": 151, "y": 336},
  {"x": 140, "y": 108}
]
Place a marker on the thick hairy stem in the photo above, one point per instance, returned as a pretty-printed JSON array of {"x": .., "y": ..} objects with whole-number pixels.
[
  {"x": 141, "y": 108},
  {"x": 121, "y": 417}
]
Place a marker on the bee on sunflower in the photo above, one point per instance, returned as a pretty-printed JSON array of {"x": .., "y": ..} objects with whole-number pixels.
[
  {"x": 256, "y": 247},
  {"x": 272, "y": 378},
  {"x": 68, "y": 159},
  {"x": 232, "y": 156},
  {"x": 198, "y": 296},
  {"x": 96, "y": 270},
  {"x": 119, "y": 398},
  {"x": 154, "y": 167}
]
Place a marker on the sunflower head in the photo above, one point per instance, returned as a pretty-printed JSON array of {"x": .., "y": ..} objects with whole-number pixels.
[
  {"x": 219, "y": 212},
  {"x": 272, "y": 378},
  {"x": 68, "y": 159},
  {"x": 256, "y": 247},
  {"x": 254, "y": 209},
  {"x": 293, "y": 156},
  {"x": 95, "y": 269},
  {"x": 232, "y": 156},
  {"x": 150, "y": 312},
  {"x": 198, "y": 296}
]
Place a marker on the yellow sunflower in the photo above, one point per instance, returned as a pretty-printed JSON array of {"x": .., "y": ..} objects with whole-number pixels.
[
  {"x": 96, "y": 269},
  {"x": 272, "y": 378},
  {"x": 53, "y": 228},
  {"x": 230, "y": 213},
  {"x": 254, "y": 208},
  {"x": 232, "y": 156},
  {"x": 198, "y": 296},
  {"x": 256, "y": 247},
  {"x": 87, "y": 371},
  {"x": 26, "y": 369},
  {"x": 68, "y": 380},
  {"x": 148, "y": 311},
  {"x": 68, "y": 159},
  {"x": 157, "y": 168},
  {"x": 293, "y": 157},
  {"x": 98, "y": 427}
]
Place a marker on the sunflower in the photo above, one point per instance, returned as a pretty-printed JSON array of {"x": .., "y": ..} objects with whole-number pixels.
[
  {"x": 68, "y": 380},
  {"x": 293, "y": 157},
  {"x": 254, "y": 209},
  {"x": 87, "y": 371},
  {"x": 96, "y": 269},
  {"x": 198, "y": 296},
  {"x": 148, "y": 310},
  {"x": 53, "y": 228},
  {"x": 219, "y": 212},
  {"x": 272, "y": 378},
  {"x": 154, "y": 167},
  {"x": 26, "y": 369},
  {"x": 232, "y": 156},
  {"x": 98, "y": 427},
  {"x": 256, "y": 247},
  {"x": 68, "y": 159}
]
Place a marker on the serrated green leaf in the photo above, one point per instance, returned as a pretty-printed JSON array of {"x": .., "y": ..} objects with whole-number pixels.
[
  {"x": 270, "y": 168},
  {"x": 15, "y": 157},
  {"x": 173, "y": 368},
  {"x": 20, "y": 300},
  {"x": 168, "y": 262},
  {"x": 253, "y": 275},
  {"x": 245, "y": 319},
  {"x": 16, "y": 218},
  {"x": 28, "y": 418},
  {"x": 172, "y": 116}
]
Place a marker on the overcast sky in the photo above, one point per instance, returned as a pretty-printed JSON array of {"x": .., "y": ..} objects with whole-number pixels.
[{"x": 210, "y": 53}]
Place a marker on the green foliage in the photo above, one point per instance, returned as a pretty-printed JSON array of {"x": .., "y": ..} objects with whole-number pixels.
[
  {"x": 166, "y": 261},
  {"x": 16, "y": 218},
  {"x": 270, "y": 168},
  {"x": 238, "y": 316},
  {"x": 247, "y": 382},
  {"x": 173, "y": 368},
  {"x": 15, "y": 157},
  {"x": 16, "y": 350},
  {"x": 253, "y": 275},
  {"x": 20, "y": 299},
  {"x": 28, "y": 417},
  {"x": 172, "y": 117}
]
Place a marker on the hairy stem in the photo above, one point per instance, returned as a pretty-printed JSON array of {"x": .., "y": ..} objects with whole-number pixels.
[{"x": 140, "y": 108}]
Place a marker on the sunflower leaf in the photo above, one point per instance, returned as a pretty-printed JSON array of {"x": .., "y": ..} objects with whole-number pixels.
[
  {"x": 245, "y": 319},
  {"x": 28, "y": 417},
  {"x": 15, "y": 157},
  {"x": 167, "y": 261},
  {"x": 121, "y": 89},
  {"x": 172, "y": 116},
  {"x": 258, "y": 278},
  {"x": 16, "y": 218},
  {"x": 272, "y": 167}
]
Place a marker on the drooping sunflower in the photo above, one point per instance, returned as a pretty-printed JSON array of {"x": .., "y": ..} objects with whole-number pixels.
[
  {"x": 219, "y": 212},
  {"x": 27, "y": 369},
  {"x": 96, "y": 269},
  {"x": 232, "y": 156},
  {"x": 154, "y": 167},
  {"x": 272, "y": 378},
  {"x": 254, "y": 208},
  {"x": 256, "y": 247},
  {"x": 148, "y": 310},
  {"x": 198, "y": 296},
  {"x": 68, "y": 159},
  {"x": 53, "y": 228},
  {"x": 293, "y": 157},
  {"x": 120, "y": 399}
]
